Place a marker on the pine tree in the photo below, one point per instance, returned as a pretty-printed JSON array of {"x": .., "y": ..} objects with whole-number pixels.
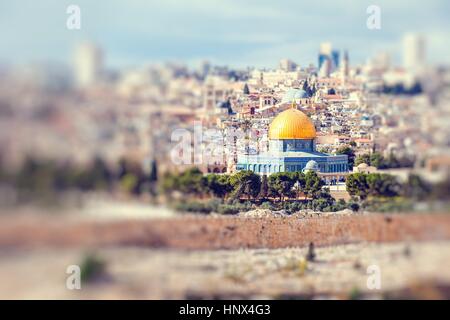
[
  {"x": 246, "y": 89},
  {"x": 263, "y": 192}
]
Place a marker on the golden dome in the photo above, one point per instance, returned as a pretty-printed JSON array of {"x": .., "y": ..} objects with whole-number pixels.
[{"x": 292, "y": 124}]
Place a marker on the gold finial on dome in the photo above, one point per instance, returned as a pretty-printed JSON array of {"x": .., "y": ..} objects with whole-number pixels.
[{"x": 293, "y": 104}]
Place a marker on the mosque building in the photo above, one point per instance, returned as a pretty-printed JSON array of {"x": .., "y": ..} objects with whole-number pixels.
[{"x": 292, "y": 147}]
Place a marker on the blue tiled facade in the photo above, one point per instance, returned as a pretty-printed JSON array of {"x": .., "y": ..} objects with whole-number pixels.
[{"x": 290, "y": 156}]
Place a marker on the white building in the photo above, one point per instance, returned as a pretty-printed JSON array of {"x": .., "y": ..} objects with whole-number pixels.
[
  {"x": 413, "y": 51},
  {"x": 88, "y": 64}
]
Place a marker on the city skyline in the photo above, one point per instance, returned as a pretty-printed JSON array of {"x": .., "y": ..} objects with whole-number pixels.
[{"x": 255, "y": 34}]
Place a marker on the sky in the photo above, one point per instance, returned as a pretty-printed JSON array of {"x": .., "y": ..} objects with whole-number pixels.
[{"x": 237, "y": 33}]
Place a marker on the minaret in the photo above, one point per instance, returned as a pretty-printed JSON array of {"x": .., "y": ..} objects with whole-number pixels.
[{"x": 344, "y": 67}]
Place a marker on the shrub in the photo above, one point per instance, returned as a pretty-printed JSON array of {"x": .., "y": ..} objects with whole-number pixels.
[
  {"x": 292, "y": 207},
  {"x": 267, "y": 205},
  {"x": 353, "y": 206},
  {"x": 92, "y": 267},
  {"x": 228, "y": 209},
  {"x": 195, "y": 207}
]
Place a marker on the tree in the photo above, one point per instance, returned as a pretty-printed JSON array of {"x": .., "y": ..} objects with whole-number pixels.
[
  {"x": 264, "y": 189},
  {"x": 246, "y": 90},
  {"x": 383, "y": 185},
  {"x": 364, "y": 158},
  {"x": 280, "y": 184},
  {"x": 349, "y": 152},
  {"x": 191, "y": 181},
  {"x": 153, "y": 177},
  {"x": 129, "y": 183},
  {"x": 441, "y": 190},
  {"x": 415, "y": 187},
  {"x": 168, "y": 183},
  {"x": 357, "y": 185},
  {"x": 323, "y": 201},
  {"x": 245, "y": 183},
  {"x": 313, "y": 184},
  {"x": 376, "y": 160},
  {"x": 374, "y": 184},
  {"x": 300, "y": 182},
  {"x": 218, "y": 185}
]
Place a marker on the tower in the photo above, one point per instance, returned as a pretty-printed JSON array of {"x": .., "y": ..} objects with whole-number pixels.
[
  {"x": 413, "y": 51},
  {"x": 345, "y": 67},
  {"x": 88, "y": 64}
]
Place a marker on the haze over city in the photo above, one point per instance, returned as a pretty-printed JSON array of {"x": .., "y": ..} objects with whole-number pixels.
[{"x": 234, "y": 33}]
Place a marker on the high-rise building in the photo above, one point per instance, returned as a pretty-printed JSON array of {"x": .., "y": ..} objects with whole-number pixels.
[
  {"x": 287, "y": 65},
  {"x": 326, "y": 53},
  {"x": 345, "y": 67},
  {"x": 325, "y": 69},
  {"x": 88, "y": 64},
  {"x": 413, "y": 51},
  {"x": 334, "y": 59}
]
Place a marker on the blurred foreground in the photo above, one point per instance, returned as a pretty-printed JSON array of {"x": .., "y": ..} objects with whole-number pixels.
[{"x": 414, "y": 270}]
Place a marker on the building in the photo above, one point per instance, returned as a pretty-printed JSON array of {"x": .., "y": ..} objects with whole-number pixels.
[
  {"x": 88, "y": 64},
  {"x": 328, "y": 59},
  {"x": 292, "y": 147},
  {"x": 287, "y": 65},
  {"x": 413, "y": 51}
]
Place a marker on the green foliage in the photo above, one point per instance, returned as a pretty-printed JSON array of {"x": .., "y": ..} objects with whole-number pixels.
[
  {"x": 268, "y": 205},
  {"x": 234, "y": 208},
  {"x": 218, "y": 185},
  {"x": 246, "y": 90},
  {"x": 168, "y": 183},
  {"x": 191, "y": 181},
  {"x": 383, "y": 185},
  {"x": 214, "y": 205},
  {"x": 441, "y": 190},
  {"x": 313, "y": 184},
  {"x": 364, "y": 158},
  {"x": 196, "y": 207},
  {"x": 264, "y": 189},
  {"x": 129, "y": 182},
  {"x": 294, "y": 206},
  {"x": 353, "y": 206},
  {"x": 47, "y": 176},
  {"x": 245, "y": 183},
  {"x": 377, "y": 160},
  {"x": 280, "y": 184},
  {"x": 349, "y": 152},
  {"x": 356, "y": 184},
  {"x": 153, "y": 177},
  {"x": 374, "y": 184},
  {"x": 394, "y": 204},
  {"x": 416, "y": 188},
  {"x": 92, "y": 267}
]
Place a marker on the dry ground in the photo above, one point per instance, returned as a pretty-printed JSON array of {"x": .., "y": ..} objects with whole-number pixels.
[{"x": 412, "y": 270}]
